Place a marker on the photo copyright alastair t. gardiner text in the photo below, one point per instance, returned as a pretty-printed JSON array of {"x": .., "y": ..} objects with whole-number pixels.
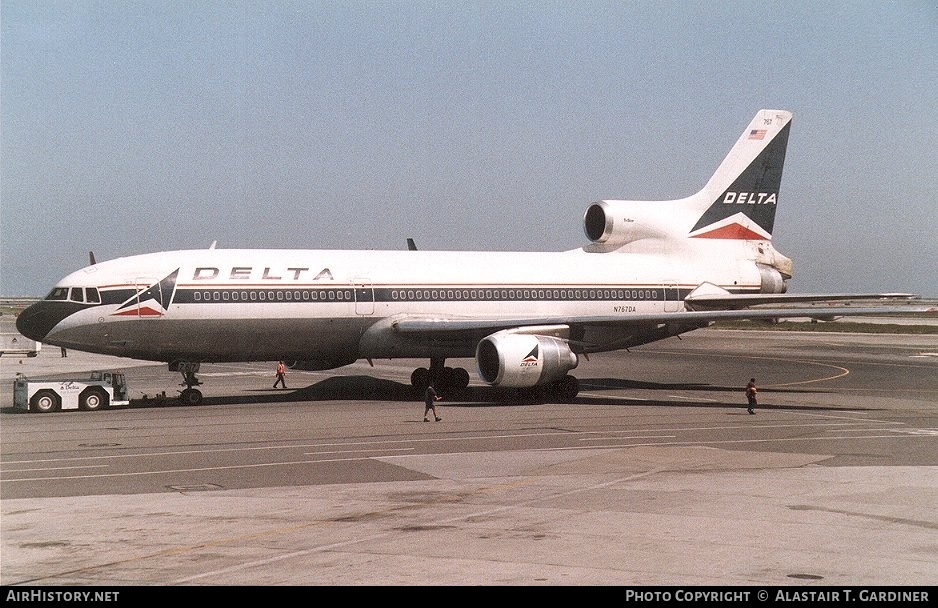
[{"x": 786, "y": 594}]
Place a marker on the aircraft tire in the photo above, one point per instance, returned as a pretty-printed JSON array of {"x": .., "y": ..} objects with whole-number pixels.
[
  {"x": 190, "y": 396},
  {"x": 460, "y": 378},
  {"x": 420, "y": 379}
]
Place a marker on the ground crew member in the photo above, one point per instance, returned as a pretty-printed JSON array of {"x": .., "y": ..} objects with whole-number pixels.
[
  {"x": 430, "y": 398},
  {"x": 281, "y": 378},
  {"x": 751, "y": 394}
]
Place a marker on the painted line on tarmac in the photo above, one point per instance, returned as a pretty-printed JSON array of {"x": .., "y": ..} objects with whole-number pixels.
[
  {"x": 359, "y": 451},
  {"x": 695, "y": 399},
  {"x": 615, "y": 397},
  {"x": 620, "y": 438},
  {"x": 33, "y": 469},
  {"x": 832, "y": 416},
  {"x": 738, "y": 441},
  {"x": 192, "y": 470}
]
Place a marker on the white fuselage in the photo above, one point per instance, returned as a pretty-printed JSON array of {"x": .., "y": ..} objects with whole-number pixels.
[{"x": 338, "y": 306}]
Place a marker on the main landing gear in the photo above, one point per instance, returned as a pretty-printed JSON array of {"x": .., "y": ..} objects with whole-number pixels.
[
  {"x": 445, "y": 379},
  {"x": 456, "y": 379},
  {"x": 190, "y": 395}
]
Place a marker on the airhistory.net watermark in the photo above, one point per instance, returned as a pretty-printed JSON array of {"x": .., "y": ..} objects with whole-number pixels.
[{"x": 44, "y": 595}]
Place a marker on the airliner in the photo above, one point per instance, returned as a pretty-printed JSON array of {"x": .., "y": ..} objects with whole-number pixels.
[{"x": 651, "y": 270}]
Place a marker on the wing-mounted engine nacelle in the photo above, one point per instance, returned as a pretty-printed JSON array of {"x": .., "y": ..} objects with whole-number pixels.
[
  {"x": 617, "y": 223},
  {"x": 523, "y": 360}
]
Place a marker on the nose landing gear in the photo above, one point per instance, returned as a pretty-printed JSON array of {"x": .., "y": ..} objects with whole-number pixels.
[{"x": 190, "y": 395}]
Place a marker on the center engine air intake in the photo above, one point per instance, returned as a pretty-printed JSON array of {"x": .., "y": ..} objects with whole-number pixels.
[
  {"x": 616, "y": 223},
  {"x": 596, "y": 223}
]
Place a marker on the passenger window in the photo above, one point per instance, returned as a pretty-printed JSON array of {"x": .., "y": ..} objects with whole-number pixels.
[
  {"x": 91, "y": 295},
  {"x": 78, "y": 295}
]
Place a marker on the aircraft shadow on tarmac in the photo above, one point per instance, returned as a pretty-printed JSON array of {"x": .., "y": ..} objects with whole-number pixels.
[{"x": 360, "y": 387}]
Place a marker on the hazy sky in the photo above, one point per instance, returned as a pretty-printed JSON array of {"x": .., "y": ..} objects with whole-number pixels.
[{"x": 130, "y": 127}]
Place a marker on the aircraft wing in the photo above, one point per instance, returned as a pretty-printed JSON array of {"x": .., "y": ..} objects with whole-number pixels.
[
  {"x": 726, "y": 300},
  {"x": 424, "y": 325}
]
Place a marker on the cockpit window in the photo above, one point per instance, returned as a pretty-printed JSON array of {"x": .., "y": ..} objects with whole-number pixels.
[
  {"x": 78, "y": 294},
  {"x": 58, "y": 293},
  {"x": 91, "y": 295}
]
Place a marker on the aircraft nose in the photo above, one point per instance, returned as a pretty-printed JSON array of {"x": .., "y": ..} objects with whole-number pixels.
[{"x": 38, "y": 320}]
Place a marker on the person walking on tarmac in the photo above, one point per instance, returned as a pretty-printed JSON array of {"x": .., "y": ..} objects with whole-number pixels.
[
  {"x": 751, "y": 394},
  {"x": 430, "y": 398},
  {"x": 281, "y": 375}
]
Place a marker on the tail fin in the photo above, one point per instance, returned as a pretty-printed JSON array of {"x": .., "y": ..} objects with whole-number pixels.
[{"x": 741, "y": 196}]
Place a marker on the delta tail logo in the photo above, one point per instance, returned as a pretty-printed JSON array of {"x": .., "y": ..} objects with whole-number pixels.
[
  {"x": 531, "y": 359},
  {"x": 150, "y": 302},
  {"x": 746, "y": 209}
]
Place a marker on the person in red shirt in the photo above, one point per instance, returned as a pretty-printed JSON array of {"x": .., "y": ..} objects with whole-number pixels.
[{"x": 281, "y": 375}]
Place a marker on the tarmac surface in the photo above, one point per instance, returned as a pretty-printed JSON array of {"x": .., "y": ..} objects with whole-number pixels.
[{"x": 654, "y": 475}]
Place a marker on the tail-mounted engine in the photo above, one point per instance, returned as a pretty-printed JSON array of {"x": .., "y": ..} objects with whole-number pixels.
[
  {"x": 617, "y": 223},
  {"x": 772, "y": 281},
  {"x": 522, "y": 360}
]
